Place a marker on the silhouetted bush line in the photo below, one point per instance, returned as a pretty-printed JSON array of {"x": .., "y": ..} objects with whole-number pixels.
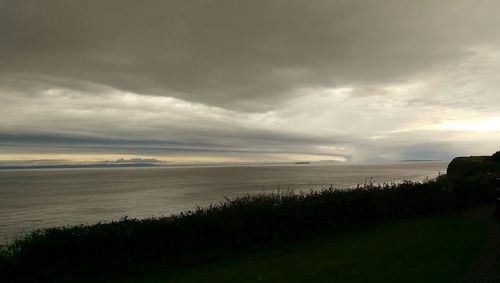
[{"x": 246, "y": 223}]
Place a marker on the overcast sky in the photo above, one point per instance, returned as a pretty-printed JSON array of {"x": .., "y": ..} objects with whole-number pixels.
[{"x": 249, "y": 81}]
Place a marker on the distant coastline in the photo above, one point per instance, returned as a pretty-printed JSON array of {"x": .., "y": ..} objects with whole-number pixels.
[
  {"x": 162, "y": 164},
  {"x": 421, "y": 160},
  {"x": 79, "y": 166}
]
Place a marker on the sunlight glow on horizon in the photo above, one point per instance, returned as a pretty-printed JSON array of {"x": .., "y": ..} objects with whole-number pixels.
[
  {"x": 7, "y": 158},
  {"x": 476, "y": 125}
]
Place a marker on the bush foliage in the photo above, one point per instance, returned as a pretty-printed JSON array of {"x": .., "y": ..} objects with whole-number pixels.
[
  {"x": 243, "y": 224},
  {"x": 496, "y": 156}
]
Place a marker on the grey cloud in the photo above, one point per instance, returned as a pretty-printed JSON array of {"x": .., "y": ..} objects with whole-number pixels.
[
  {"x": 223, "y": 144},
  {"x": 247, "y": 55},
  {"x": 362, "y": 80},
  {"x": 135, "y": 160},
  {"x": 426, "y": 144}
]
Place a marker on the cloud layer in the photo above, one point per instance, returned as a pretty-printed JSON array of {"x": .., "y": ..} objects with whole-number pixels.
[{"x": 250, "y": 80}]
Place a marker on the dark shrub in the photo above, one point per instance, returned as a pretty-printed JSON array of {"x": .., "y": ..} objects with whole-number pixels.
[
  {"x": 244, "y": 224},
  {"x": 496, "y": 156},
  {"x": 475, "y": 189}
]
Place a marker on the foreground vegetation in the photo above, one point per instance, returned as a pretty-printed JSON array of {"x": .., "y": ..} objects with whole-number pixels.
[
  {"x": 431, "y": 249},
  {"x": 246, "y": 224}
]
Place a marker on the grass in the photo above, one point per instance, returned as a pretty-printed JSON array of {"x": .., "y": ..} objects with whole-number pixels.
[
  {"x": 239, "y": 226},
  {"x": 244, "y": 225},
  {"x": 431, "y": 249}
]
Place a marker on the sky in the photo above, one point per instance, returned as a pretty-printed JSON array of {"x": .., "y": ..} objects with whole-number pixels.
[{"x": 248, "y": 81}]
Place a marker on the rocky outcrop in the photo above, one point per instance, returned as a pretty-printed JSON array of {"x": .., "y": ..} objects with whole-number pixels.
[
  {"x": 473, "y": 178},
  {"x": 465, "y": 166}
]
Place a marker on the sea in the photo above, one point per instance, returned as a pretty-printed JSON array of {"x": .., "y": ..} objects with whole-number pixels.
[{"x": 32, "y": 199}]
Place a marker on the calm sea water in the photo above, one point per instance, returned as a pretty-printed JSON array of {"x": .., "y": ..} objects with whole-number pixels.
[{"x": 31, "y": 199}]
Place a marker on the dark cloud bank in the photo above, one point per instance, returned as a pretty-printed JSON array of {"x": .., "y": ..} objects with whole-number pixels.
[{"x": 240, "y": 76}]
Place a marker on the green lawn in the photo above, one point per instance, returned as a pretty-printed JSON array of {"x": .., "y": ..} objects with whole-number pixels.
[{"x": 427, "y": 250}]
